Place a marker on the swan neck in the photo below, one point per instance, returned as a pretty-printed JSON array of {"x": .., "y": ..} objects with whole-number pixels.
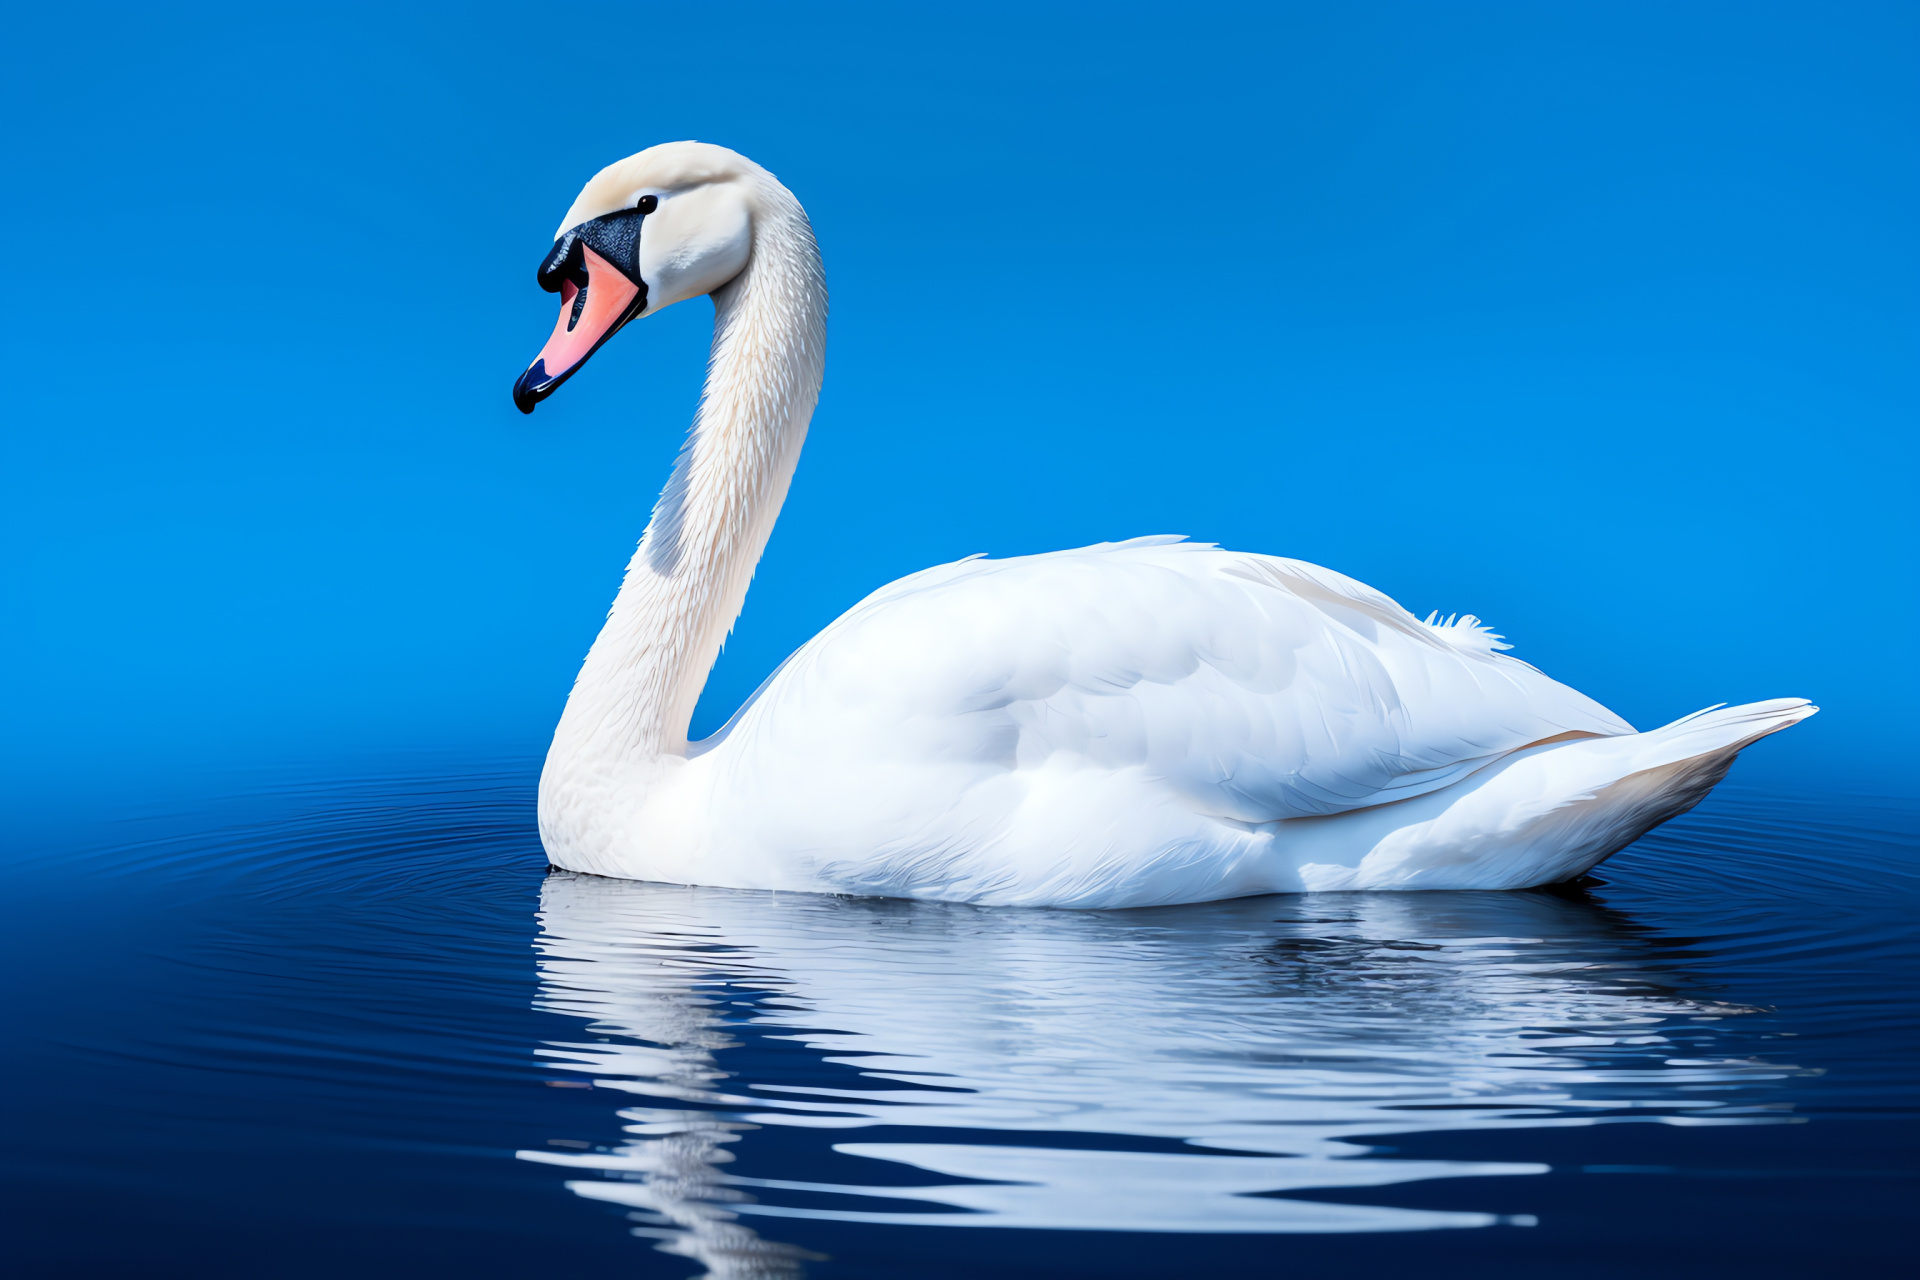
[{"x": 688, "y": 579}]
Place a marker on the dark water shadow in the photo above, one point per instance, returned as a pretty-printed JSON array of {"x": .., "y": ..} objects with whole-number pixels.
[{"x": 1189, "y": 1069}]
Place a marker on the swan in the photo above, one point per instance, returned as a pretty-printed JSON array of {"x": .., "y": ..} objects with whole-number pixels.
[{"x": 1134, "y": 723}]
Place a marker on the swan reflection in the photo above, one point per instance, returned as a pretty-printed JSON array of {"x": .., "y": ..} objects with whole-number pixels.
[{"x": 1180, "y": 1069}]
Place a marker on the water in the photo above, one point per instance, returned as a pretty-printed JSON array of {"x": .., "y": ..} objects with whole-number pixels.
[{"x": 354, "y": 1026}]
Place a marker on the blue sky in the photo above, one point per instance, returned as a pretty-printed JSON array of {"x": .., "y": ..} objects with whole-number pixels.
[{"x": 1596, "y": 320}]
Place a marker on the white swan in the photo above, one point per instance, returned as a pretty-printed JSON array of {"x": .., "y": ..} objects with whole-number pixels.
[{"x": 1141, "y": 722}]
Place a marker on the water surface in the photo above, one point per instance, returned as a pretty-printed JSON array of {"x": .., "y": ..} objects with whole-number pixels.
[{"x": 355, "y": 1024}]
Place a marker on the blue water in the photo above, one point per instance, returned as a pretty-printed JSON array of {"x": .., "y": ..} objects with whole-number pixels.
[{"x": 337, "y": 1026}]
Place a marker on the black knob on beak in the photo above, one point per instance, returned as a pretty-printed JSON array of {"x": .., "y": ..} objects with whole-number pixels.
[{"x": 563, "y": 263}]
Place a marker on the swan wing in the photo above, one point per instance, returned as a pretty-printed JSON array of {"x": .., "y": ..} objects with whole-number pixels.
[{"x": 1252, "y": 687}]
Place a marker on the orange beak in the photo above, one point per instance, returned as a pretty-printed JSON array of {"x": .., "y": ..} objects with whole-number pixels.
[
  {"x": 595, "y": 300},
  {"x": 595, "y": 268}
]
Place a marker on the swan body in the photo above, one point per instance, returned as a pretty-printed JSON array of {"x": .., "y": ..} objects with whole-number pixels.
[{"x": 1135, "y": 723}]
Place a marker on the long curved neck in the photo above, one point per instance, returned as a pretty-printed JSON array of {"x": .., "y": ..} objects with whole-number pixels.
[{"x": 684, "y": 587}]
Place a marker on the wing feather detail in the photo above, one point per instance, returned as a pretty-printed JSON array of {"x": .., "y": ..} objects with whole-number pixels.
[{"x": 1251, "y": 688}]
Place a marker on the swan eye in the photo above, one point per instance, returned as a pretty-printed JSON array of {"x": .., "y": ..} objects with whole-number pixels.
[{"x": 648, "y": 204}]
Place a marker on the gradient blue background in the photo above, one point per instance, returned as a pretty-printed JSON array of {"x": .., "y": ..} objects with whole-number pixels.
[{"x": 1597, "y": 320}]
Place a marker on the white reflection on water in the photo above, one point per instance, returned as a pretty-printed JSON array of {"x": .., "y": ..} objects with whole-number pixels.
[{"x": 1288, "y": 1031}]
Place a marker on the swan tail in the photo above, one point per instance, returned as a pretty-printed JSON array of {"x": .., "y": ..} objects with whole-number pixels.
[
  {"x": 1544, "y": 815},
  {"x": 1662, "y": 774},
  {"x": 1716, "y": 732}
]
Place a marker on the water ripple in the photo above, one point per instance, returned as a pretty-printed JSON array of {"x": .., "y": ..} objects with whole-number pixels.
[{"x": 766, "y": 1065}]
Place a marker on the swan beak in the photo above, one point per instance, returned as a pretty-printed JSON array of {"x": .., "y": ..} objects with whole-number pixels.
[{"x": 595, "y": 300}]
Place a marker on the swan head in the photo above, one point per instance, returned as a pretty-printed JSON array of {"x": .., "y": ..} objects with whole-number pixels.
[{"x": 668, "y": 224}]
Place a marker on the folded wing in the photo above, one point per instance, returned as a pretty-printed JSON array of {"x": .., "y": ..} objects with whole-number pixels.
[{"x": 1255, "y": 688}]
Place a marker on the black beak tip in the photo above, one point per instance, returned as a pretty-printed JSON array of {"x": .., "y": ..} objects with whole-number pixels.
[{"x": 533, "y": 387}]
